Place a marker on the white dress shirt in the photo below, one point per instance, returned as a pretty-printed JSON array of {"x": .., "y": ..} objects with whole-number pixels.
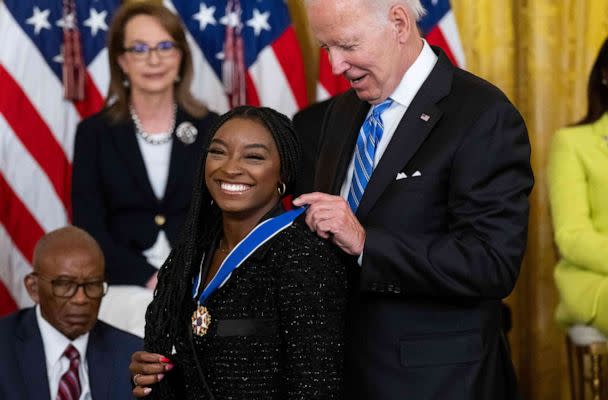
[
  {"x": 157, "y": 158},
  {"x": 54, "y": 344},
  {"x": 402, "y": 97}
]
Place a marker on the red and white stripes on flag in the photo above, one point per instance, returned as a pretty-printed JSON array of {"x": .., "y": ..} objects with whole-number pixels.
[{"x": 37, "y": 127}]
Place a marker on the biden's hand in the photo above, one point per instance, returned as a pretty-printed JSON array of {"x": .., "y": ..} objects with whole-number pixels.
[{"x": 331, "y": 218}]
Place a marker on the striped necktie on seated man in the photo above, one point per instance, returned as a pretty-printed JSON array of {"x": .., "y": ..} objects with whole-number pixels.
[
  {"x": 369, "y": 136},
  {"x": 69, "y": 385}
]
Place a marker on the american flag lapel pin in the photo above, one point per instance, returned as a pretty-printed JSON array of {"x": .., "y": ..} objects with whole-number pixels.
[{"x": 425, "y": 117}]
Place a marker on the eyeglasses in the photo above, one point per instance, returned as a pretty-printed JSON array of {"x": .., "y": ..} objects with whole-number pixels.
[
  {"x": 67, "y": 288},
  {"x": 142, "y": 51}
]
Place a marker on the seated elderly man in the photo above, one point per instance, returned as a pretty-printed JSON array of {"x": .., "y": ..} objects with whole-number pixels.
[{"x": 58, "y": 349}]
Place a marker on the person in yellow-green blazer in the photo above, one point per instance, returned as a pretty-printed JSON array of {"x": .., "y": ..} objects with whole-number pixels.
[{"x": 578, "y": 193}]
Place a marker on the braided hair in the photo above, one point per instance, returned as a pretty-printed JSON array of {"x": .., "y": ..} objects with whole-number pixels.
[{"x": 164, "y": 323}]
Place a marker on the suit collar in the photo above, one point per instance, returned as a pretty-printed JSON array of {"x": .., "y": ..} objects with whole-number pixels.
[
  {"x": 178, "y": 158},
  {"x": 32, "y": 363},
  {"x": 415, "y": 76},
  {"x": 99, "y": 361},
  {"x": 418, "y": 121},
  {"x": 123, "y": 135},
  {"x": 344, "y": 140}
]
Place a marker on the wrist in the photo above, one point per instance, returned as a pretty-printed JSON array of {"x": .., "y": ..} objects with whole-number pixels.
[{"x": 360, "y": 245}]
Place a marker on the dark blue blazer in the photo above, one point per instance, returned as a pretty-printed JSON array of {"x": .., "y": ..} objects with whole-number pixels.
[
  {"x": 443, "y": 246},
  {"x": 113, "y": 200},
  {"x": 23, "y": 365}
]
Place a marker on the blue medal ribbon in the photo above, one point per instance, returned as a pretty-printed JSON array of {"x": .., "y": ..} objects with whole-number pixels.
[{"x": 256, "y": 238}]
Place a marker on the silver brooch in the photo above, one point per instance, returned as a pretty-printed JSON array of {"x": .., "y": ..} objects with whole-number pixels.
[{"x": 186, "y": 132}]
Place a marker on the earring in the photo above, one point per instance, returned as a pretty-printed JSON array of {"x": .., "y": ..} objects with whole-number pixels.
[
  {"x": 282, "y": 189},
  {"x": 177, "y": 79},
  {"x": 605, "y": 81},
  {"x": 125, "y": 83}
]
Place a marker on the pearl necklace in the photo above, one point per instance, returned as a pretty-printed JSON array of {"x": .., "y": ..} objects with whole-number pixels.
[{"x": 151, "y": 138}]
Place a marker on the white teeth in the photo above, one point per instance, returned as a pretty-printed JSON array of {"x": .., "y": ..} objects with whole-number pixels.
[{"x": 233, "y": 187}]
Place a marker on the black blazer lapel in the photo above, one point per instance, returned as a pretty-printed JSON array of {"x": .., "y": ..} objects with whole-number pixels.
[
  {"x": 99, "y": 361},
  {"x": 418, "y": 121},
  {"x": 32, "y": 363},
  {"x": 123, "y": 136},
  {"x": 339, "y": 143},
  {"x": 178, "y": 158}
]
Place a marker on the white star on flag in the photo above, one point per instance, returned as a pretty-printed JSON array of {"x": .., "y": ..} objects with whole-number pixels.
[
  {"x": 40, "y": 20},
  {"x": 67, "y": 22},
  {"x": 232, "y": 20},
  {"x": 204, "y": 16},
  {"x": 96, "y": 21},
  {"x": 259, "y": 21},
  {"x": 59, "y": 57}
]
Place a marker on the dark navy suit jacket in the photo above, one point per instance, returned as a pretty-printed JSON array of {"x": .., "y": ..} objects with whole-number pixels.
[
  {"x": 23, "y": 373},
  {"x": 446, "y": 215}
]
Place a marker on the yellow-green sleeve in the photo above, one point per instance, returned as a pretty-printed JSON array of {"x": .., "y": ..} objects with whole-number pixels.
[{"x": 577, "y": 240}]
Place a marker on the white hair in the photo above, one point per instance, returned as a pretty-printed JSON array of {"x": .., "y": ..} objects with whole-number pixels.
[{"x": 415, "y": 6}]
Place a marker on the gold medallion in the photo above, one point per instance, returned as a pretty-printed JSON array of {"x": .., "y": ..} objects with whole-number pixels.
[{"x": 201, "y": 320}]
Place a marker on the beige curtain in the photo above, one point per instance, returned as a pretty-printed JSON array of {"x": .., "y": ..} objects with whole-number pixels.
[{"x": 540, "y": 53}]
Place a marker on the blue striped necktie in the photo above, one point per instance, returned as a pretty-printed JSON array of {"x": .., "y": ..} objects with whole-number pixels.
[{"x": 369, "y": 136}]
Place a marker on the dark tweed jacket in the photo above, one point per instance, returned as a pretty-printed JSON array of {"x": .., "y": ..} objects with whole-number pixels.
[{"x": 277, "y": 327}]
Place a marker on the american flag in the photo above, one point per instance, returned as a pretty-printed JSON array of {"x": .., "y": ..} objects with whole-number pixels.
[
  {"x": 274, "y": 69},
  {"x": 438, "y": 27},
  {"x": 37, "y": 124}
]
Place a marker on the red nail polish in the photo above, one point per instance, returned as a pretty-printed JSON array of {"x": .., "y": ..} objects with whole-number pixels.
[
  {"x": 169, "y": 367},
  {"x": 164, "y": 359}
]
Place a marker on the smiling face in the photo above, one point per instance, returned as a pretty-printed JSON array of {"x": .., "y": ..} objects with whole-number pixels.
[
  {"x": 154, "y": 74},
  {"x": 363, "y": 46},
  {"x": 242, "y": 169},
  {"x": 73, "y": 260}
]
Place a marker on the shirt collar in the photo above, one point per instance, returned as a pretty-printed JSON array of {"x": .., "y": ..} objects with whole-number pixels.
[
  {"x": 55, "y": 342},
  {"x": 415, "y": 76}
]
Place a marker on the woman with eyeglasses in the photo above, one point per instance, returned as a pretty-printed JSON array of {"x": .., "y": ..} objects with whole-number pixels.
[{"x": 134, "y": 161}]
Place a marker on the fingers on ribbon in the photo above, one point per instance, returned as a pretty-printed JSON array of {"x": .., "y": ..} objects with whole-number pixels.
[
  {"x": 326, "y": 222},
  {"x": 318, "y": 221}
]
